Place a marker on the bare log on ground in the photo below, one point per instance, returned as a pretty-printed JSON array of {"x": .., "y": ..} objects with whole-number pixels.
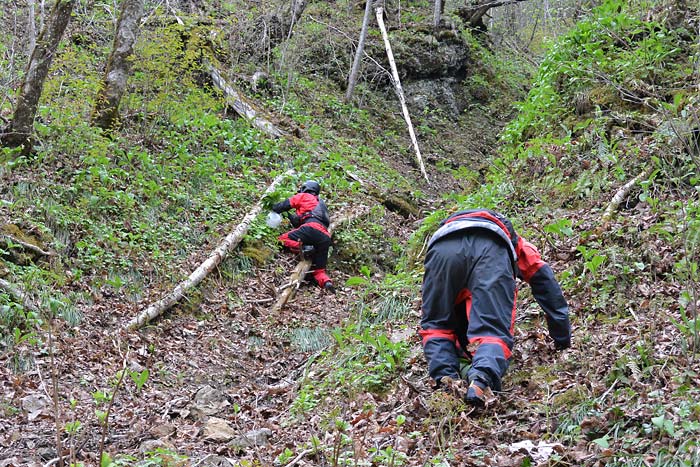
[
  {"x": 620, "y": 195},
  {"x": 304, "y": 266},
  {"x": 19, "y": 295},
  {"x": 242, "y": 108},
  {"x": 399, "y": 90},
  {"x": 207, "y": 266}
]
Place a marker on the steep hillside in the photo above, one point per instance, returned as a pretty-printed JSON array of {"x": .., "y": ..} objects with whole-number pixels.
[{"x": 95, "y": 227}]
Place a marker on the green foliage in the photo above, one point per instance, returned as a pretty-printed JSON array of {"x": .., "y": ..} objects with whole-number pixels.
[
  {"x": 305, "y": 402},
  {"x": 561, "y": 227},
  {"x": 361, "y": 360},
  {"x": 128, "y": 211},
  {"x": 285, "y": 456},
  {"x": 139, "y": 378},
  {"x": 387, "y": 456},
  {"x": 499, "y": 76},
  {"x": 310, "y": 339},
  {"x": 613, "y": 48},
  {"x": 687, "y": 271},
  {"x": 391, "y": 307},
  {"x": 159, "y": 457},
  {"x": 372, "y": 359},
  {"x": 17, "y": 324},
  {"x": 592, "y": 259},
  {"x": 128, "y": 206}
]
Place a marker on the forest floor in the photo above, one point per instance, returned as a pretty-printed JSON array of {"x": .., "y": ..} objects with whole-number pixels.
[
  {"x": 231, "y": 363},
  {"x": 223, "y": 379}
]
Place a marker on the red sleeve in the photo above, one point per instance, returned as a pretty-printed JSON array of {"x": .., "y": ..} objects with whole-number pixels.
[
  {"x": 303, "y": 202},
  {"x": 529, "y": 259},
  {"x": 546, "y": 291}
]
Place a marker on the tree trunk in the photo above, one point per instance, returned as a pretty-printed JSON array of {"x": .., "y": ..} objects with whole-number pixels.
[
  {"x": 19, "y": 133},
  {"x": 399, "y": 91},
  {"x": 295, "y": 10},
  {"x": 473, "y": 14},
  {"x": 106, "y": 112},
  {"x": 31, "y": 25},
  {"x": 352, "y": 79},
  {"x": 437, "y": 12},
  {"x": 231, "y": 240}
]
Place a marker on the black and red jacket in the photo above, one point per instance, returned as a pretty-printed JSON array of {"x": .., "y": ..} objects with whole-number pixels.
[
  {"x": 528, "y": 262},
  {"x": 309, "y": 210}
]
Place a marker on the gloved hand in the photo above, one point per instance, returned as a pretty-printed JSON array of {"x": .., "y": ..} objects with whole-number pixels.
[
  {"x": 307, "y": 251},
  {"x": 294, "y": 220}
]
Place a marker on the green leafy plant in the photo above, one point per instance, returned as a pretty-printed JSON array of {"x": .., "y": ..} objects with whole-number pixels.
[
  {"x": 159, "y": 457},
  {"x": 139, "y": 378},
  {"x": 285, "y": 456},
  {"x": 388, "y": 456},
  {"x": 562, "y": 227},
  {"x": 305, "y": 402},
  {"x": 592, "y": 259},
  {"x": 665, "y": 426}
]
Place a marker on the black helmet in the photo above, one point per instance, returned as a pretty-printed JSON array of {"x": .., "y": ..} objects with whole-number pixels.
[{"x": 310, "y": 186}]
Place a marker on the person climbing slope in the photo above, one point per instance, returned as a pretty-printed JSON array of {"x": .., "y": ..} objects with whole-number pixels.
[
  {"x": 310, "y": 235},
  {"x": 469, "y": 299}
]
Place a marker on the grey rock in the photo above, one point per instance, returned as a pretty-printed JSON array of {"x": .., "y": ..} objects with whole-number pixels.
[{"x": 251, "y": 439}]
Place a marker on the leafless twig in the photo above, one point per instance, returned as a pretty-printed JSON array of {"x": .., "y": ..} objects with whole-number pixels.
[{"x": 105, "y": 423}]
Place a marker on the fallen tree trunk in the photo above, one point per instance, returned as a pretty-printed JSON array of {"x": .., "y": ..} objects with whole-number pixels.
[
  {"x": 242, "y": 108},
  {"x": 394, "y": 202},
  {"x": 473, "y": 14},
  {"x": 304, "y": 266},
  {"x": 207, "y": 266},
  {"x": 399, "y": 90}
]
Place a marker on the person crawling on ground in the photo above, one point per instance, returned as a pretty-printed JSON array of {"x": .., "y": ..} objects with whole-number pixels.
[{"x": 309, "y": 236}]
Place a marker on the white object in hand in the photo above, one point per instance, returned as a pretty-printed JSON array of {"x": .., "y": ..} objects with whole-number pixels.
[{"x": 273, "y": 219}]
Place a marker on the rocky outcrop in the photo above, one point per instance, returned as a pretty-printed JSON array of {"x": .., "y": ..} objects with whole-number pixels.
[{"x": 433, "y": 66}]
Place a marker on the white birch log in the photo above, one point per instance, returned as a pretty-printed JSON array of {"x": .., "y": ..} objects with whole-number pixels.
[
  {"x": 304, "y": 266},
  {"x": 242, "y": 108},
  {"x": 399, "y": 90},
  {"x": 207, "y": 266},
  {"x": 620, "y": 195}
]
